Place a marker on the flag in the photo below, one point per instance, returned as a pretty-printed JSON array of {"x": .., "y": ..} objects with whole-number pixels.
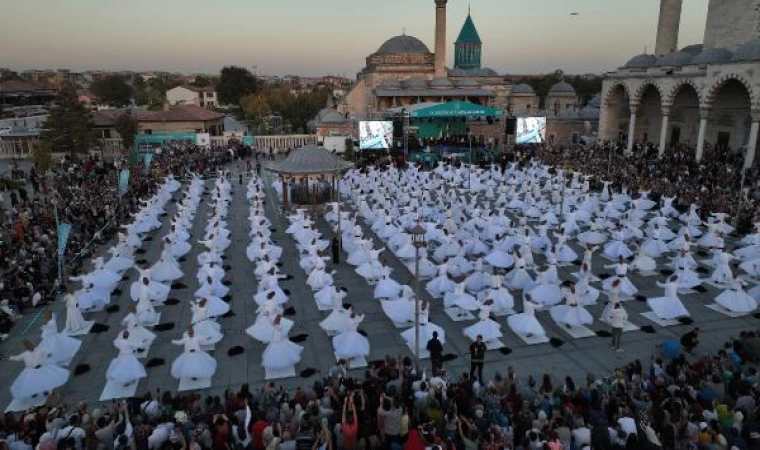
[
  {"x": 148, "y": 159},
  {"x": 123, "y": 181},
  {"x": 64, "y": 229}
]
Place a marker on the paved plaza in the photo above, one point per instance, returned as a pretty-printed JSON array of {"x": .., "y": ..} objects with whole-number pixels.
[{"x": 574, "y": 357}]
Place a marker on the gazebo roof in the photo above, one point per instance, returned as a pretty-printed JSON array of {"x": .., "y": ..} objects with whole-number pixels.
[{"x": 310, "y": 159}]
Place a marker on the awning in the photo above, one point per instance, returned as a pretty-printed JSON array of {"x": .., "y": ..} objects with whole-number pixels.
[{"x": 455, "y": 109}]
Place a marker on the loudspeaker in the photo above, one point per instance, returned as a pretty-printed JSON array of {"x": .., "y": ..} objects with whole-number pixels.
[
  {"x": 398, "y": 128},
  {"x": 511, "y": 125}
]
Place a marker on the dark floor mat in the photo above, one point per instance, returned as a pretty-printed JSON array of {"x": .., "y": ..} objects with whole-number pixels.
[
  {"x": 99, "y": 328},
  {"x": 308, "y": 372},
  {"x": 236, "y": 350},
  {"x": 165, "y": 326},
  {"x": 299, "y": 338},
  {"x": 155, "y": 362},
  {"x": 81, "y": 369},
  {"x": 556, "y": 342}
]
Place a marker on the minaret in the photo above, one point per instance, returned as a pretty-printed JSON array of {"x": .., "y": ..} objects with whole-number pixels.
[
  {"x": 440, "y": 38},
  {"x": 467, "y": 47},
  {"x": 667, "y": 27}
]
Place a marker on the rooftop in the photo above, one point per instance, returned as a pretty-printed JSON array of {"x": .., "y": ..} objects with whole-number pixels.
[
  {"x": 26, "y": 87},
  {"x": 182, "y": 113},
  {"x": 468, "y": 34},
  {"x": 403, "y": 44}
]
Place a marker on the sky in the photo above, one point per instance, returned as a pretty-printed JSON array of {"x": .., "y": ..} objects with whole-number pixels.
[{"x": 311, "y": 38}]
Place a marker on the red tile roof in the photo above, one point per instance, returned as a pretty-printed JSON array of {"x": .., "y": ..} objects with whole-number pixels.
[
  {"x": 107, "y": 117},
  {"x": 182, "y": 113},
  {"x": 201, "y": 89},
  {"x": 21, "y": 86}
]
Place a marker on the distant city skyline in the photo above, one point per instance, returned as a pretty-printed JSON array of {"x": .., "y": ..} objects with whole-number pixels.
[{"x": 320, "y": 38}]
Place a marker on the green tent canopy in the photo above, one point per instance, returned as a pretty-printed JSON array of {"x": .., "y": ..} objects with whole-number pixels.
[{"x": 453, "y": 109}]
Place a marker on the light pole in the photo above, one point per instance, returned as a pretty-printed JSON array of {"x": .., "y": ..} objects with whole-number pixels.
[
  {"x": 562, "y": 197},
  {"x": 741, "y": 196},
  {"x": 469, "y": 166},
  {"x": 418, "y": 240}
]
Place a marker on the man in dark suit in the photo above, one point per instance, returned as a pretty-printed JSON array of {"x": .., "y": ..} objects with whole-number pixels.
[
  {"x": 435, "y": 348},
  {"x": 477, "y": 354}
]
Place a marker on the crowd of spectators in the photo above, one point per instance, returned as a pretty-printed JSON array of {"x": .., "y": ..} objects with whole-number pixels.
[
  {"x": 705, "y": 401},
  {"x": 717, "y": 183},
  {"x": 85, "y": 194}
]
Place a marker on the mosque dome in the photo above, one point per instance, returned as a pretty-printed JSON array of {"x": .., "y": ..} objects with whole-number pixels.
[
  {"x": 562, "y": 88},
  {"x": 441, "y": 83},
  {"x": 693, "y": 49},
  {"x": 415, "y": 83},
  {"x": 713, "y": 56},
  {"x": 330, "y": 115},
  {"x": 522, "y": 88},
  {"x": 675, "y": 59},
  {"x": 641, "y": 61},
  {"x": 467, "y": 82},
  {"x": 403, "y": 44},
  {"x": 748, "y": 52}
]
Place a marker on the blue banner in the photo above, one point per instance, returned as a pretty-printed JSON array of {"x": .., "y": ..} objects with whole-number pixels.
[
  {"x": 123, "y": 181},
  {"x": 148, "y": 159},
  {"x": 64, "y": 229}
]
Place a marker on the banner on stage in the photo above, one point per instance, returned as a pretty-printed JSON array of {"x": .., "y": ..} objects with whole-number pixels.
[
  {"x": 64, "y": 229},
  {"x": 202, "y": 139},
  {"x": 123, "y": 181}
]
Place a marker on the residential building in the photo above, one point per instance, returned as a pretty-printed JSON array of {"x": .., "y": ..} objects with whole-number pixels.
[{"x": 205, "y": 97}]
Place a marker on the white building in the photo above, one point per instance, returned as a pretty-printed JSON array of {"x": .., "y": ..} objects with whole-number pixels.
[
  {"x": 190, "y": 95},
  {"x": 703, "y": 93}
]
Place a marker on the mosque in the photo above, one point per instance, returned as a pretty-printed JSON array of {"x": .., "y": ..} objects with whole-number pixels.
[
  {"x": 702, "y": 93},
  {"x": 403, "y": 71}
]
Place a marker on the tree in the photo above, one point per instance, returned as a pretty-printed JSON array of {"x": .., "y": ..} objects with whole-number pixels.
[
  {"x": 42, "y": 156},
  {"x": 69, "y": 124},
  {"x": 153, "y": 100},
  {"x": 348, "y": 153},
  {"x": 113, "y": 90},
  {"x": 126, "y": 126},
  {"x": 235, "y": 83},
  {"x": 255, "y": 105},
  {"x": 201, "y": 81}
]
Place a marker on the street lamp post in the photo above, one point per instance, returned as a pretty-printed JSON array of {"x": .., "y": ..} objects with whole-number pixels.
[
  {"x": 469, "y": 166},
  {"x": 418, "y": 239}
]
